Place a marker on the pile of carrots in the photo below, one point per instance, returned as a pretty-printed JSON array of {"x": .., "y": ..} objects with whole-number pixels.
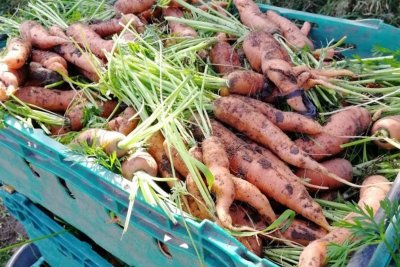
[{"x": 264, "y": 159}]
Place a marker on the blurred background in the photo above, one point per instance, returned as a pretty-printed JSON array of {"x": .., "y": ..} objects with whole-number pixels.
[{"x": 388, "y": 10}]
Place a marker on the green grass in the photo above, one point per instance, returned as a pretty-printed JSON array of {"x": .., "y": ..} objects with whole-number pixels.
[{"x": 387, "y": 10}]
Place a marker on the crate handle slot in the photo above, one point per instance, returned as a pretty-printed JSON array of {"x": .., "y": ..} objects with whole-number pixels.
[
  {"x": 36, "y": 174},
  {"x": 63, "y": 183},
  {"x": 164, "y": 249}
]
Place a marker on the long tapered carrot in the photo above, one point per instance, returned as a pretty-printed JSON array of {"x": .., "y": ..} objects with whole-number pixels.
[
  {"x": 286, "y": 121},
  {"x": 216, "y": 159},
  {"x": 259, "y": 171},
  {"x": 281, "y": 166},
  {"x": 255, "y": 125}
]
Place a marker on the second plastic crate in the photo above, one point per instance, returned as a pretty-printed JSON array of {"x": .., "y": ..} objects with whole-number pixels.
[{"x": 56, "y": 245}]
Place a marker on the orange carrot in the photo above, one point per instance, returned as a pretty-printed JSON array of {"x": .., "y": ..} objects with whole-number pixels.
[
  {"x": 178, "y": 29},
  {"x": 139, "y": 161},
  {"x": 125, "y": 122},
  {"x": 215, "y": 158},
  {"x": 40, "y": 76},
  {"x": 256, "y": 126},
  {"x": 252, "y": 17},
  {"x": 340, "y": 167},
  {"x": 259, "y": 171},
  {"x": 315, "y": 254},
  {"x": 224, "y": 58},
  {"x": 281, "y": 167},
  {"x": 86, "y": 37},
  {"x": 133, "y": 6},
  {"x": 286, "y": 121},
  {"x": 50, "y": 60},
  {"x": 388, "y": 127},
  {"x": 156, "y": 150},
  {"x": 116, "y": 25},
  {"x": 341, "y": 125},
  {"x": 257, "y": 45},
  {"x": 306, "y": 28},
  {"x": 303, "y": 232},
  {"x": 291, "y": 32},
  {"x": 241, "y": 217},
  {"x": 18, "y": 51},
  {"x": 245, "y": 82},
  {"x": 50, "y": 99},
  {"x": 250, "y": 194},
  {"x": 39, "y": 36}
]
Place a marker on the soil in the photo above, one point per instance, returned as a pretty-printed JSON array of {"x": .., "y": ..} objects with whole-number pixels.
[{"x": 11, "y": 232}]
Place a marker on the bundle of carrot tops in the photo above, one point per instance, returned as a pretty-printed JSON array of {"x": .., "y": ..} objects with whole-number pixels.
[{"x": 227, "y": 115}]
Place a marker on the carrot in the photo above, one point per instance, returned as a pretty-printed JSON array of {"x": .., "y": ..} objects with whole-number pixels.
[
  {"x": 281, "y": 167},
  {"x": 259, "y": 171},
  {"x": 57, "y": 31},
  {"x": 340, "y": 167},
  {"x": 178, "y": 29},
  {"x": 116, "y": 25},
  {"x": 195, "y": 201},
  {"x": 216, "y": 159},
  {"x": 18, "y": 51},
  {"x": 371, "y": 196},
  {"x": 150, "y": 15},
  {"x": 224, "y": 58},
  {"x": 76, "y": 111},
  {"x": 306, "y": 28},
  {"x": 252, "y": 17},
  {"x": 280, "y": 72},
  {"x": 256, "y": 126},
  {"x": 315, "y": 254},
  {"x": 245, "y": 82},
  {"x": 3, "y": 92},
  {"x": 387, "y": 127},
  {"x": 126, "y": 122},
  {"x": 291, "y": 32},
  {"x": 241, "y": 217},
  {"x": 341, "y": 125},
  {"x": 250, "y": 194},
  {"x": 82, "y": 59},
  {"x": 50, "y": 60},
  {"x": 156, "y": 150},
  {"x": 176, "y": 160},
  {"x": 106, "y": 140},
  {"x": 139, "y": 161},
  {"x": 303, "y": 232},
  {"x": 133, "y": 6},
  {"x": 286, "y": 121},
  {"x": 12, "y": 77},
  {"x": 86, "y": 37},
  {"x": 40, "y": 76},
  {"x": 50, "y": 99},
  {"x": 59, "y": 130},
  {"x": 39, "y": 36},
  {"x": 257, "y": 45}
]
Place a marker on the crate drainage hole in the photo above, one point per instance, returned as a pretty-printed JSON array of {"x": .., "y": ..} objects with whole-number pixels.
[
  {"x": 164, "y": 249},
  {"x": 32, "y": 169},
  {"x": 64, "y": 184}
]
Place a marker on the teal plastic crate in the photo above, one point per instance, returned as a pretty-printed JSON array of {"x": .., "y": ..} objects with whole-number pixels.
[
  {"x": 83, "y": 193},
  {"x": 62, "y": 249},
  {"x": 362, "y": 35}
]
